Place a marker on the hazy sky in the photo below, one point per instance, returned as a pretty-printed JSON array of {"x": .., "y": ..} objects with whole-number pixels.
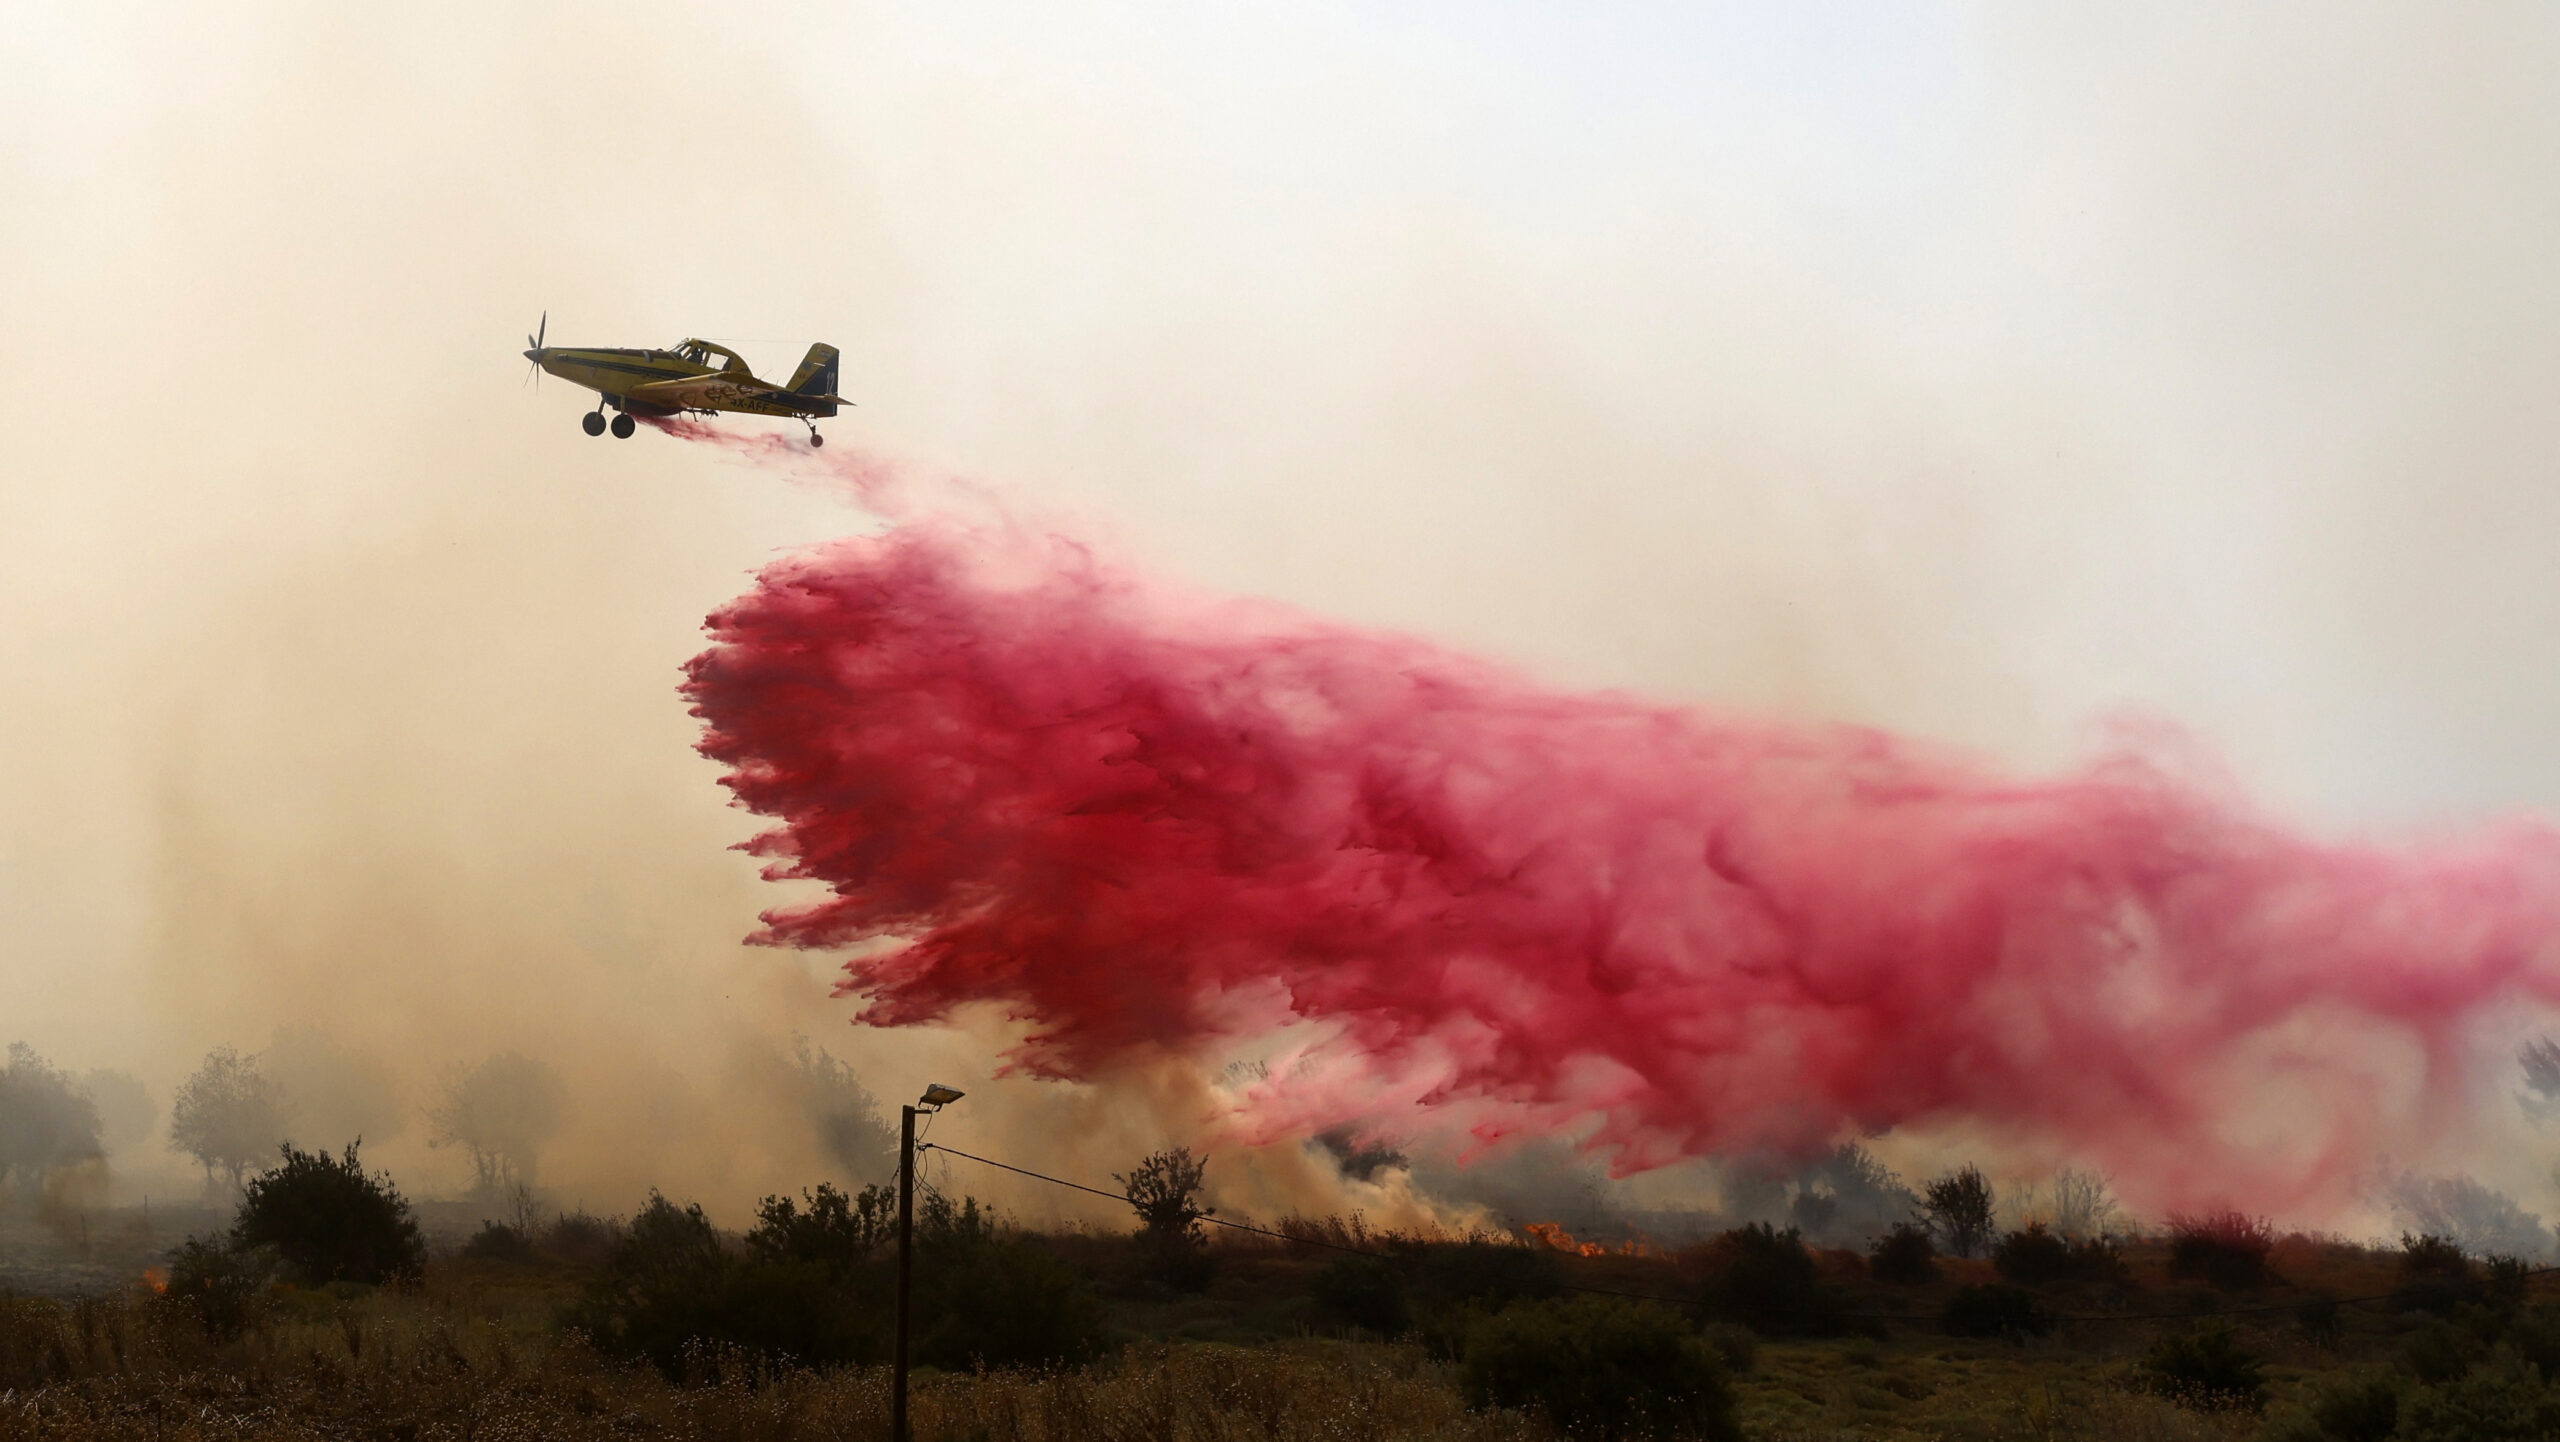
[{"x": 1977, "y": 370}]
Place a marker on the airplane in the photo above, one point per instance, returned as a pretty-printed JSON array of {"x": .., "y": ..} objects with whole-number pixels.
[{"x": 694, "y": 376}]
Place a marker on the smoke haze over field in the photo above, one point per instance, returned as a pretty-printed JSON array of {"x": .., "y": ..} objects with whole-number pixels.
[{"x": 1982, "y": 373}]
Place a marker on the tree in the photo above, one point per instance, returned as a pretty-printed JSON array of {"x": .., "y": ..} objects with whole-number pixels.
[
  {"x": 126, "y": 1113},
  {"x": 1165, "y": 1191},
  {"x": 2083, "y": 1207},
  {"x": 331, "y": 1219},
  {"x": 227, "y": 1115},
  {"x": 1959, "y": 1206},
  {"x": 45, "y": 1120},
  {"x": 500, "y": 1113},
  {"x": 847, "y": 1117}
]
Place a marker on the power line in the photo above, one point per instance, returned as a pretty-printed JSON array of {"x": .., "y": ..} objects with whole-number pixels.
[{"x": 2294, "y": 1306}]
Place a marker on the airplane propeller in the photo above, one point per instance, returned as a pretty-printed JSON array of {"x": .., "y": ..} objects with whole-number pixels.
[{"x": 533, "y": 374}]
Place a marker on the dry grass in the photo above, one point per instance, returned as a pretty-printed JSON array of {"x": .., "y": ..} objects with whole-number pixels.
[{"x": 405, "y": 1368}]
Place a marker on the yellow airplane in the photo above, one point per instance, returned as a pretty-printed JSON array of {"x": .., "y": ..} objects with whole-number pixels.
[{"x": 696, "y": 376}]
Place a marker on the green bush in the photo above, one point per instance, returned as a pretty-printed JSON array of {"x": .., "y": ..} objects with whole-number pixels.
[
  {"x": 331, "y": 1221},
  {"x": 1766, "y": 1280},
  {"x": 1993, "y": 1309},
  {"x": 2357, "y": 1409},
  {"x": 2207, "y": 1368},
  {"x": 1904, "y": 1256},
  {"x": 836, "y": 1233},
  {"x": 1600, "y": 1367},
  {"x": 2439, "y": 1351},
  {"x": 2227, "y": 1249},
  {"x": 2435, "y": 1277},
  {"x": 1364, "y": 1292},
  {"x": 2501, "y": 1400},
  {"x": 989, "y": 1297},
  {"x": 669, "y": 1284}
]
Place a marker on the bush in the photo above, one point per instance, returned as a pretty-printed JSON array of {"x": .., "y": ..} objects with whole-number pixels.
[
  {"x": 2318, "y": 1318},
  {"x": 498, "y": 1242},
  {"x": 1995, "y": 1310},
  {"x": 2205, "y": 1369},
  {"x": 2435, "y": 1276},
  {"x": 1455, "y": 1283},
  {"x": 2439, "y": 1352},
  {"x": 2033, "y": 1257},
  {"x": 218, "y": 1283},
  {"x": 989, "y": 1298},
  {"x": 2036, "y": 1257},
  {"x": 1765, "y": 1279},
  {"x": 331, "y": 1221},
  {"x": 836, "y": 1233},
  {"x": 2227, "y": 1248},
  {"x": 2357, "y": 1409},
  {"x": 1364, "y": 1292},
  {"x": 2499, "y": 1400},
  {"x": 1904, "y": 1256},
  {"x": 1600, "y": 1367}
]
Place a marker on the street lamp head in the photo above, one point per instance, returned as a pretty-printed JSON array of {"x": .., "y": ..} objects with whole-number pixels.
[{"x": 938, "y": 1095}]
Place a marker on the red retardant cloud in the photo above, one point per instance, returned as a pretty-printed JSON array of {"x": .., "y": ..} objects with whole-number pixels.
[{"x": 1145, "y": 821}]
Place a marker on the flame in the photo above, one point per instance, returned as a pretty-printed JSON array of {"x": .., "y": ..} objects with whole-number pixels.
[
  {"x": 157, "y": 1279},
  {"x": 1554, "y": 1235}
]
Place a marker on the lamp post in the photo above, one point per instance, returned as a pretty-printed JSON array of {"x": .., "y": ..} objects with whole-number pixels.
[{"x": 935, "y": 1098}]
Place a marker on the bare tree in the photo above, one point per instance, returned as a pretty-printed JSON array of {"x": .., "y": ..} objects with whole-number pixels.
[
  {"x": 228, "y": 1116},
  {"x": 500, "y": 1113},
  {"x": 1960, "y": 1207},
  {"x": 2083, "y": 1206},
  {"x": 46, "y": 1121}
]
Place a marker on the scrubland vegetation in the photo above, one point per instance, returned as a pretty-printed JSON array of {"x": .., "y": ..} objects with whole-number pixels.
[
  {"x": 321, "y": 1311},
  {"x": 311, "y": 1302}
]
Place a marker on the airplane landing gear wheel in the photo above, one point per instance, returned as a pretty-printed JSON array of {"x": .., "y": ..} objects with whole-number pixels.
[
  {"x": 816, "y": 439},
  {"x": 623, "y": 426},
  {"x": 593, "y": 423}
]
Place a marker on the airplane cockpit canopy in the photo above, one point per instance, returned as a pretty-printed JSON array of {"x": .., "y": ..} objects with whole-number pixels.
[{"x": 700, "y": 353}]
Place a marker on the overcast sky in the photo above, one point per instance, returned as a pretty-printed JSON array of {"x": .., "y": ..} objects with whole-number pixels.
[{"x": 1980, "y": 371}]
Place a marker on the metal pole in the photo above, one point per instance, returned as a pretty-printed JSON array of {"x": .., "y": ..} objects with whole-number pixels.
[{"x": 906, "y": 1253}]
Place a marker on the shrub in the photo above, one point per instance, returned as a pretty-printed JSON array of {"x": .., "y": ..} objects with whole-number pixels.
[
  {"x": 2226, "y": 1248},
  {"x": 2435, "y": 1276},
  {"x": 1904, "y": 1256},
  {"x": 2033, "y": 1257},
  {"x": 498, "y": 1242},
  {"x": 1600, "y": 1367},
  {"x": 1364, "y": 1292},
  {"x": 1457, "y": 1283},
  {"x": 1738, "y": 1346},
  {"x": 989, "y": 1298},
  {"x": 1765, "y": 1279},
  {"x": 579, "y": 1238},
  {"x": 1959, "y": 1205},
  {"x": 331, "y": 1220},
  {"x": 2205, "y": 1369},
  {"x": 1164, "y": 1190},
  {"x": 836, "y": 1233},
  {"x": 2317, "y": 1317},
  {"x": 1995, "y": 1310},
  {"x": 2501, "y": 1399},
  {"x": 2357, "y": 1409},
  {"x": 221, "y": 1285},
  {"x": 2439, "y": 1351}
]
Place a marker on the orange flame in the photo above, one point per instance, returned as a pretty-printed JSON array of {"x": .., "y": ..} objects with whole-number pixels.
[
  {"x": 1554, "y": 1235},
  {"x": 156, "y": 1279}
]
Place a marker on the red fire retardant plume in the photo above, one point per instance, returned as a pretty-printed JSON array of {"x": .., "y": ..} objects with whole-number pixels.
[{"x": 1144, "y": 822}]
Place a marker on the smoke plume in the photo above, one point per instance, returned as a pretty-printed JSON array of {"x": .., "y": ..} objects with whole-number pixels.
[{"x": 1144, "y": 821}]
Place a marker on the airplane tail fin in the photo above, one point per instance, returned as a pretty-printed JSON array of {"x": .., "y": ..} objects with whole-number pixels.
[{"x": 817, "y": 373}]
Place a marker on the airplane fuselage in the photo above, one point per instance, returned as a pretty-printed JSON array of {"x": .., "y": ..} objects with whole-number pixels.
[{"x": 616, "y": 372}]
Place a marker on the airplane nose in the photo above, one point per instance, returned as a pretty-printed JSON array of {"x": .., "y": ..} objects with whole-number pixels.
[{"x": 534, "y": 356}]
